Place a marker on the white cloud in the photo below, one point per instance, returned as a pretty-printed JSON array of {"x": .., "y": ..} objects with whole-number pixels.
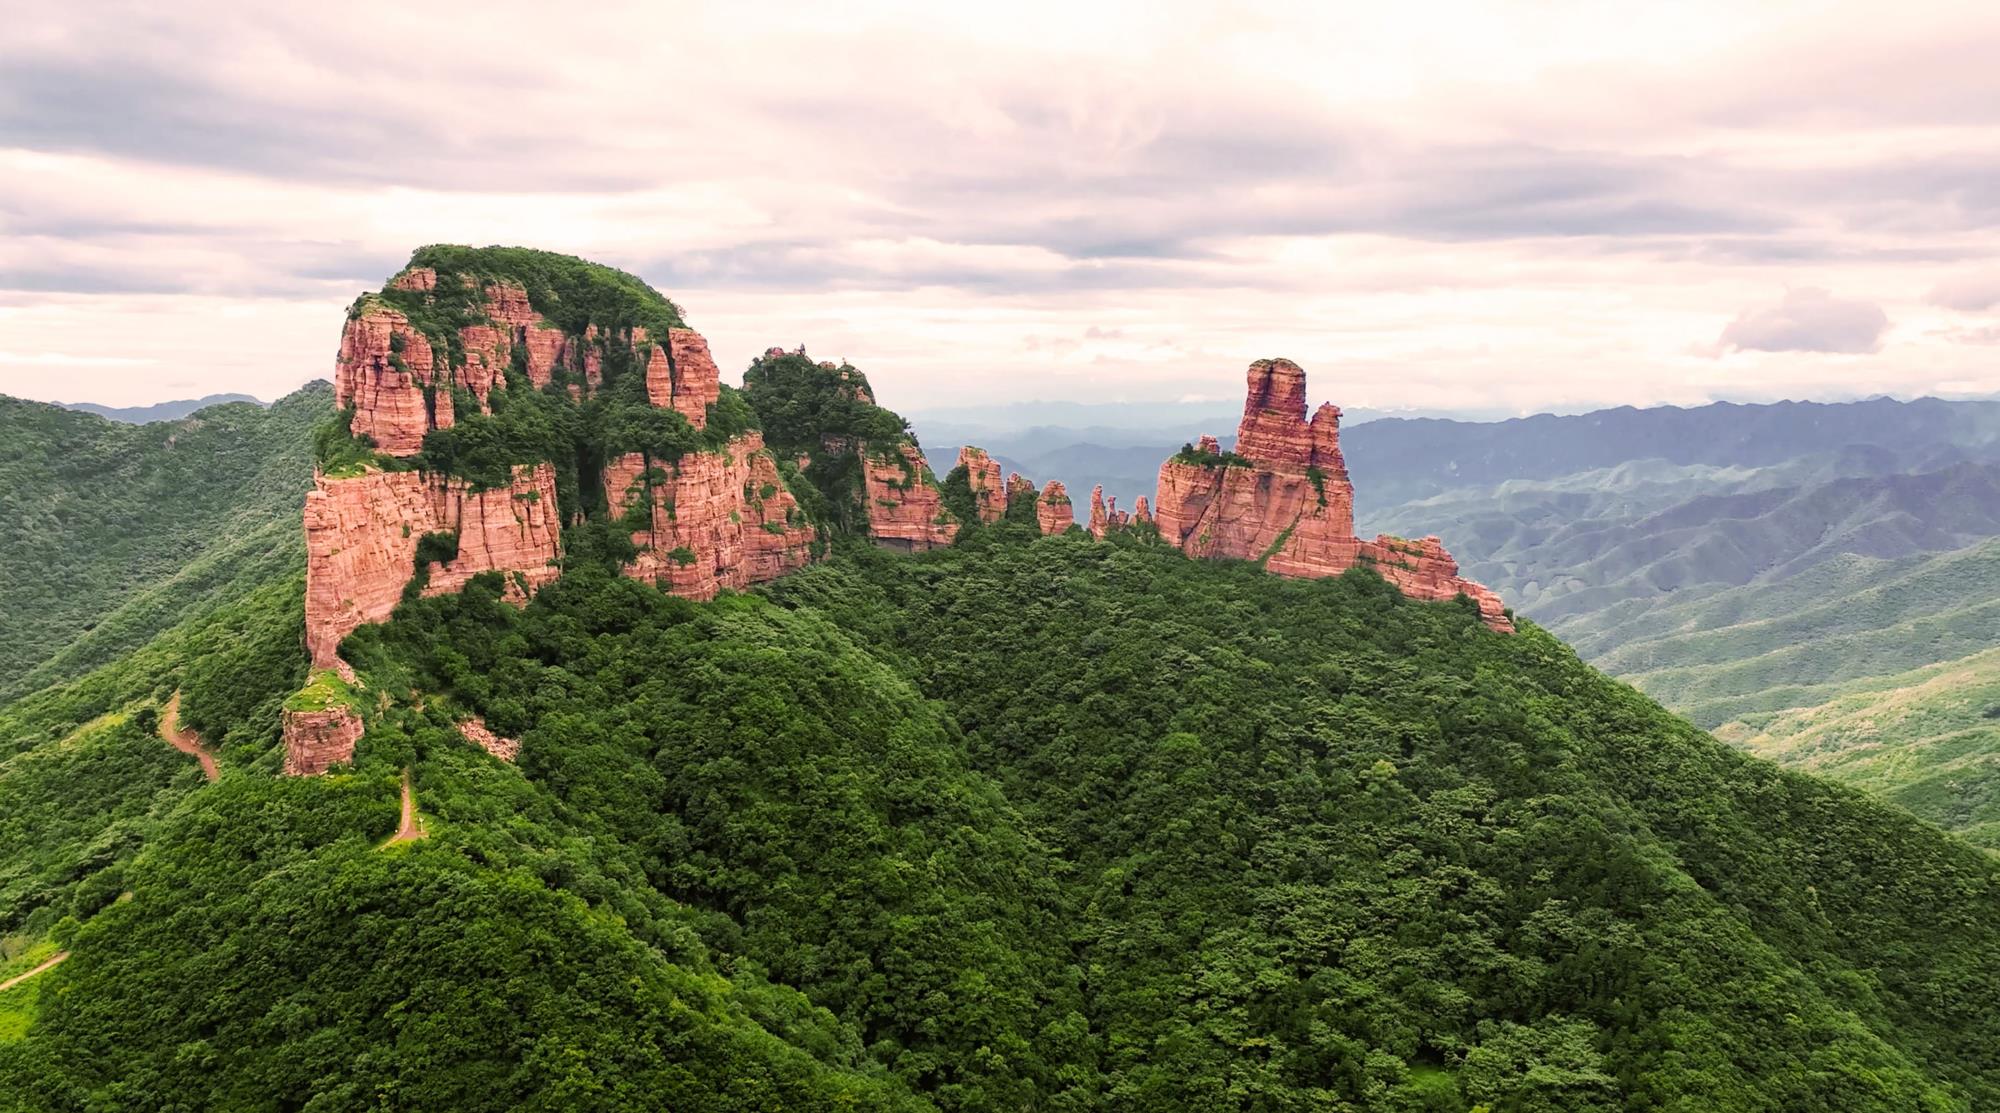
[
  {"x": 1497, "y": 205},
  {"x": 1808, "y": 320}
]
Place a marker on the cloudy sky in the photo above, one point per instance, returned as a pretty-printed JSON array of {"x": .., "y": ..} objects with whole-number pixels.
[{"x": 1516, "y": 206}]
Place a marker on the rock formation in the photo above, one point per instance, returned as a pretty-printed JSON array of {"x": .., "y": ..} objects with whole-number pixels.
[
  {"x": 475, "y": 731},
  {"x": 1053, "y": 511},
  {"x": 362, "y": 534},
  {"x": 315, "y": 741},
  {"x": 982, "y": 472},
  {"x": 1019, "y": 488},
  {"x": 383, "y": 371},
  {"x": 362, "y": 530},
  {"x": 905, "y": 507},
  {"x": 720, "y": 515},
  {"x": 1283, "y": 497},
  {"x": 682, "y": 376},
  {"x": 713, "y": 519}
]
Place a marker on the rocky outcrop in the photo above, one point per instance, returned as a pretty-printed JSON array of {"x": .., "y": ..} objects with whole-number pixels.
[
  {"x": 384, "y": 371},
  {"x": 680, "y": 374},
  {"x": 362, "y": 534},
  {"x": 982, "y": 473},
  {"x": 905, "y": 507},
  {"x": 1141, "y": 512},
  {"x": 400, "y": 386},
  {"x": 1053, "y": 510},
  {"x": 475, "y": 731},
  {"x": 1105, "y": 516},
  {"x": 316, "y": 741},
  {"x": 711, "y": 519},
  {"x": 1020, "y": 490},
  {"x": 1423, "y": 570},
  {"x": 1283, "y": 497}
]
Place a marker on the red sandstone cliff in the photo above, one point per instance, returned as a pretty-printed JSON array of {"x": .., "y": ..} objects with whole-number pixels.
[
  {"x": 362, "y": 534},
  {"x": 681, "y": 376},
  {"x": 382, "y": 371},
  {"x": 905, "y": 507},
  {"x": 1020, "y": 489},
  {"x": 1284, "y": 498},
  {"x": 982, "y": 473},
  {"x": 315, "y": 741},
  {"x": 400, "y": 389},
  {"x": 1053, "y": 511},
  {"x": 714, "y": 519}
]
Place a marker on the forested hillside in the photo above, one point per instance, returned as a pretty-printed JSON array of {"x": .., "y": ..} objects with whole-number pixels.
[
  {"x": 116, "y": 532},
  {"x": 1797, "y": 576},
  {"x": 1027, "y": 822}
]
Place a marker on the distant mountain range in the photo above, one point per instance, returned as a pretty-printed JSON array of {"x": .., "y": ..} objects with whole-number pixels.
[{"x": 158, "y": 411}]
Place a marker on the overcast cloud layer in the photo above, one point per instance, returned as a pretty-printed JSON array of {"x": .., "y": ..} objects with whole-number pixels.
[{"x": 1552, "y": 205}]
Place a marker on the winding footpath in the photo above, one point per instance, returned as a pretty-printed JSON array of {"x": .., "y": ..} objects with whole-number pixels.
[
  {"x": 186, "y": 741},
  {"x": 17, "y": 979}
]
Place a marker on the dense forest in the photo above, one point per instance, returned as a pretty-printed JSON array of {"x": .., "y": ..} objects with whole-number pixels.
[{"x": 1026, "y": 823}]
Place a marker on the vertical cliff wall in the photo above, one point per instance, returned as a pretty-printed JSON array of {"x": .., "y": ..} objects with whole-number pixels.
[
  {"x": 1053, "y": 510},
  {"x": 982, "y": 474},
  {"x": 362, "y": 534},
  {"x": 712, "y": 519},
  {"x": 905, "y": 506},
  {"x": 437, "y": 340}
]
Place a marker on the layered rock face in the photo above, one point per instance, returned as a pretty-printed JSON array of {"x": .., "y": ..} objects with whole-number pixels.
[
  {"x": 982, "y": 472},
  {"x": 316, "y": 741},
  {"x": 1284, "y": 498},
  {"x": 714, "y": 519},
  {"x": 382, "y": 371},
  {"x": 905, "y": 507},
  {"x": 362, "y": 534},
  {"x": 681, "y": 375},
  {"x": 1052, "y": 510},
  {"x": 362, "y": 531}
]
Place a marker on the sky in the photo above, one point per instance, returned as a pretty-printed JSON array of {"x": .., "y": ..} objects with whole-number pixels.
[{"x": 1496, "y": 206}]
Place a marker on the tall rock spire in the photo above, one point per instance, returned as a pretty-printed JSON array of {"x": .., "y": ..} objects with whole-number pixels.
[{"x": 1292, "y": 507}]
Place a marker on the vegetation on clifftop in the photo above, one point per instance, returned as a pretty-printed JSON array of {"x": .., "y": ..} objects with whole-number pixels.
[{"x": 827, "y": 416}]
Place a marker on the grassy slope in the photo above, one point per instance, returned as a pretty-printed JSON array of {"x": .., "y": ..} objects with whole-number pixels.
[{"x": 1928, "y": 739}]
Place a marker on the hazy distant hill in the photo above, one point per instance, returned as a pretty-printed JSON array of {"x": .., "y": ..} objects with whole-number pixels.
[{"x": 158, "y": 411}]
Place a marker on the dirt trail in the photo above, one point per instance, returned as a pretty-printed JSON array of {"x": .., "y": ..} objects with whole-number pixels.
[
  {"x": 17, "y": 979},
  {"x": 413, "y": 824},
  {"x": 186, "y": 741}
]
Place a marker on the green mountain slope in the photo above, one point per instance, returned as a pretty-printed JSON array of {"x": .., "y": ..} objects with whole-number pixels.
[
  {"x": 1754, "y": 596},
  {"x": 116, "y": 532},
  {"x": 1927, "y": 739},
  {"x": 1026, "y": 823}
]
